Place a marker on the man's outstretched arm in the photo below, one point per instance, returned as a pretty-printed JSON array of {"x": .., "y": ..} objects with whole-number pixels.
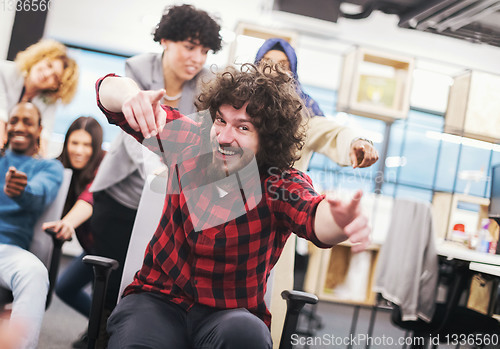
[
  {"x": 141, "y": 109},
  {"x": 140, "y": 114},
  {"x": 336, "y": 221}
]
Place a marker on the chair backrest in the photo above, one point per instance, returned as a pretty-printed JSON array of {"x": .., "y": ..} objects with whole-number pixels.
[
  {"x": 146, "y": 221},
  {"x": 41, "y": 244}
]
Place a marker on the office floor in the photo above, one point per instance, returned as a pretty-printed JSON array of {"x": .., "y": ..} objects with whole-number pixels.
[{"x": 62, "y": 325}]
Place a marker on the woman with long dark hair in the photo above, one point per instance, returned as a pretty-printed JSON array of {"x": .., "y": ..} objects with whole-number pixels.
[{"x": 82, "y": 153}]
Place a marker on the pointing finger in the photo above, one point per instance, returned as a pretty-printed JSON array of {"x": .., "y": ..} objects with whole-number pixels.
[
  {"x": 157, "y": 95},
  {"x": 356, "y": 199}
]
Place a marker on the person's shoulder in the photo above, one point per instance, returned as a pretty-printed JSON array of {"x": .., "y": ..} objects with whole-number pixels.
[
  {"x": 10, "y": 65},
  {"x": 143, "y": 58},
  {"x": 9, "y": 69},
  {"x": 52, "y": 165}
]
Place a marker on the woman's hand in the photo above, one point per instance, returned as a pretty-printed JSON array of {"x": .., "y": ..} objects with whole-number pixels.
[
  {"x": 63, "y": 229},
  {"x": 362, "y": 154}
]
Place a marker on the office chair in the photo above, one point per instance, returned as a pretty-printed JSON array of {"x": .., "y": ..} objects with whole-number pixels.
[
  {"x": 409, "y": 251},
  {"x": 44, "y": 244},
  {"x": 147, "y": 218}
]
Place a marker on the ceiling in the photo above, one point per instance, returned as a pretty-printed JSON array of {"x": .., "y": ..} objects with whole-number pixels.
[{"x": 472, "y": 20}]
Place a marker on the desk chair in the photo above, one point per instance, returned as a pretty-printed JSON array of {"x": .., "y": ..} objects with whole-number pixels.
[
  {"x": 148, "y": 216},
  {"x": 409, "y": 250},
  {"x": 44, "y": 244}
]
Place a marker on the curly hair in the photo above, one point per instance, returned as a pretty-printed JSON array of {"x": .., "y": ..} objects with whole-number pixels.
[
  {"x": 274, "y": 106},
  {"x": 184, "y": 22},
  {"x": 51, "y": 49},
  {"x": 84, "y": 176}
]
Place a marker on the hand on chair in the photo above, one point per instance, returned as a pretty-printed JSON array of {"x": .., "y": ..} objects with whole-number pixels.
[{"x": 63, "y": 229}]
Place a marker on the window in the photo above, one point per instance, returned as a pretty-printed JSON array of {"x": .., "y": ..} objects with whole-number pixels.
[
  {"x": 92, "y": 65},
  {"x": 420, "y": 160}
]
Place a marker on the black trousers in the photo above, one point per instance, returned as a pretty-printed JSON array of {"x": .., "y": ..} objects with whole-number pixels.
[
  {"x": 111, "y": 224},
  {"x": 147, "y": 320}
]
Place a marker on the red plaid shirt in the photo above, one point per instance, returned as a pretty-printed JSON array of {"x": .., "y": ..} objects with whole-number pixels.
[{"x": 227, "y": 265}]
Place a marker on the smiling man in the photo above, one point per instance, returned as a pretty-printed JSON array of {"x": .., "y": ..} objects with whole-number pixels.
[
  {"x": 28, "y": 184},
  {"x": 232, "y": 201},
  {"x": 231, "y": 153}
]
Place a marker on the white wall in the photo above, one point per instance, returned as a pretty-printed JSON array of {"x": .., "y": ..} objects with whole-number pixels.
[
  {"x": 7, "y": 15},
  {"x": 125, "y": 26}
]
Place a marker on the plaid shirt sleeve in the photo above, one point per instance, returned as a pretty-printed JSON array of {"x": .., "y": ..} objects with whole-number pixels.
[
  {"x": 294, "y": 202},
  {"x": 179, "y": 131}
]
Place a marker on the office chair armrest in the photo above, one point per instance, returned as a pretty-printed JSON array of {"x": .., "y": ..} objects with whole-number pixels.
[
  {"x": 55, "y": 261},
  {"x": 295, "y": 301},
  {"x": 299, "y": 297},
  {"x": 99, "y": 261},
  {"x": 102, "y": 269}
]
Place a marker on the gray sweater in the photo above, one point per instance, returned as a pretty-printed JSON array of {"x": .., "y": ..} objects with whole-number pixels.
[{"x": 407, "y": 268}]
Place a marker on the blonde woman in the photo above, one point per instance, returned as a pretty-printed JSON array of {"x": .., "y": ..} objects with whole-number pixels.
[{"x": 42, "y": 74}]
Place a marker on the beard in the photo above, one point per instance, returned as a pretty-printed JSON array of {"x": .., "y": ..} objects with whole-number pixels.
[{"x": 219, "y": 169}]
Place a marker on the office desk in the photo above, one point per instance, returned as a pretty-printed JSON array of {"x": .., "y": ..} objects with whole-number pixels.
[
  {"x": 472, "y": 261},
  {"x": 452, "y": 250},
  {"x": 485, "y": 268}
]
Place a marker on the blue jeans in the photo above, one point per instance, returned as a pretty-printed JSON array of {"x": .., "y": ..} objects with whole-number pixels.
[
  {"x": 70, "y": 285},
  {"x": 147, "y": 320},
  {"x": 27, "y": 277}
]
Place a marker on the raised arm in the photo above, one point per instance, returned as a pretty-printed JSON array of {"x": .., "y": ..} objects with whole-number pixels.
[
  {"x": 340, "y": 143},
  {"x": 141, "y": 109},
  {"x": 336, "y": 221},
  {"x": 37, "y": 191},
  {"x": 140, "y": 114}
]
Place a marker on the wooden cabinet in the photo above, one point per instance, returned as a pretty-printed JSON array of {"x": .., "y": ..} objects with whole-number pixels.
[
  {"x": 474, "y": 107},
  {"x": 375, "y": 84},
  {"x": 338, "y": 275}
]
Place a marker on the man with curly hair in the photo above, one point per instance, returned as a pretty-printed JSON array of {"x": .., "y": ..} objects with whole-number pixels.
[
  {"x": 187, "y": 34},
  {"x": 233, "y": 200}
]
